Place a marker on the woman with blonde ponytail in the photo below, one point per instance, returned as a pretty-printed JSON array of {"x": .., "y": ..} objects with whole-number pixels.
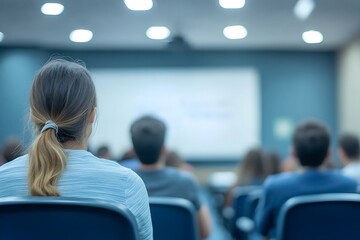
[{"x": 62, "y": 109}]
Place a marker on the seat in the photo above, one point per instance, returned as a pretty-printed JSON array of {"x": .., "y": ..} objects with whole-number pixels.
[
  {"x": 59, "y": 218},
  {"x": 173, "y": 218},
  {"x": 247, "y": 223},
  {"x": 218, "y": 184},
  {"x": 241, "y": 195},
  {"x": 320, "y": 217},
  {"x": 252, "y": 202}
]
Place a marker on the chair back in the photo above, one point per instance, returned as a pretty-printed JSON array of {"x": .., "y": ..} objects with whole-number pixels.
[
  {"x": 320, "y": 217},
  {"x": 59, "y": 218},
  {"x": 173, "y": 218},
  {"x": 252, "y": 202},
  {"x": 239, "y": 205}
]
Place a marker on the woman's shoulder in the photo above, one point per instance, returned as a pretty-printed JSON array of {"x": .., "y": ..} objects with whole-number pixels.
[
  {"x": 19, "y": 162},
  {"x": 102, "y": 175},
  {"x": 84, "y": 157},
  {"x": 15, "y": 170}
]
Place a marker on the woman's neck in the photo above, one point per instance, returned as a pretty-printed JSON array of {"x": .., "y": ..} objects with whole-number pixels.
[{"x": 76, "y": 145}]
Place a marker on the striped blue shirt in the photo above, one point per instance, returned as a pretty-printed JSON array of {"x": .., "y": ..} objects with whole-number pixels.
[{"x": 87, "y": 176}]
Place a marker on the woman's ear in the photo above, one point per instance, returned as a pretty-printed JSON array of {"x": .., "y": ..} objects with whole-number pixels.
[{"x": 92, "y": 116}]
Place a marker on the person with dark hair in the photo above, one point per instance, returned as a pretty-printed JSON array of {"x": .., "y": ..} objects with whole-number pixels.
[
  {"x": 349, "y": 154},
  {"x": 129, "y": 160},
  {"x": 12, "y": 149},
  {"x": 104, "y": 152},
  {"x": 62, "y": 109},
  {"x": 311, "y": 142},
  {"x": 148, "y": 138}
]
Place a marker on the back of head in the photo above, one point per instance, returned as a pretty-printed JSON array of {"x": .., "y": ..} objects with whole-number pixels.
[
  {"x": 62, "y": 99},
  {"x": 252, "y": 169},
  {"x": 273, "y": 163},
  {"x": 128, "y": 155},
  {"x": 349, "y": 143},
  {"x": 103, "y": 152},
  {"x": 173, "y": 159},
  {"x": 12, "y": 149},
  {"x": 311, "y": 142},
  {"x": 148, "y": 137}
]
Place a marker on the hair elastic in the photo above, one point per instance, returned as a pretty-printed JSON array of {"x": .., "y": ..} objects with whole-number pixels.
[{"x": 50, "y": 124}]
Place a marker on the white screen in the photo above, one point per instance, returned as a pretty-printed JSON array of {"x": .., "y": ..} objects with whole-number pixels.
[{"x": 210, "y": 113}]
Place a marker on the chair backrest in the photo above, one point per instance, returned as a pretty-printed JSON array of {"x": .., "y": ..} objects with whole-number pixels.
[
  {"x": 239, "y": 205},
  {"x": 252, "y": 202},
  {"x": 240, "y": 197},
  {"x": 59, "y": 218},
  {"x": 173, "y": 218},
  {"x": 320, "y": 217}
]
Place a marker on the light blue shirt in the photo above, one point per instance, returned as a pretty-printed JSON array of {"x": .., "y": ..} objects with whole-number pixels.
[{"x": 87, "y": 176}]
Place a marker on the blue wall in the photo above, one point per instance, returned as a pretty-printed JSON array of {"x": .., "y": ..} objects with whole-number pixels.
[
  {"x": 296, "y": 85},
  {"x": 17, "y": 70}
]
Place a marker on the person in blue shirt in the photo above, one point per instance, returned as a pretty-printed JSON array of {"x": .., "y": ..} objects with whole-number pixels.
[
  {"x": 62, "y": 109},
  {"x": 311, "y": 142}
]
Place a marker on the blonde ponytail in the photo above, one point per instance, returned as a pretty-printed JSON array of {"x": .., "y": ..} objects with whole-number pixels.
[
  {"x": 62, "y": 93},
  {"x": 47, "y": 160}
]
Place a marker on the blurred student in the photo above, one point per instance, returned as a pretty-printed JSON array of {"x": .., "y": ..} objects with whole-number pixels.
[
  {"x": 173, "y": 159},
  {"x": 290, "y": 164},
  {"x": 12, "y": 149},
  {"x": 273, "y": 162},
  {"x": 349, "y": 154},
  {"x": 62, "y": 109},
  {"x": 104, "y": 152},
  {"x": 2, "y": 160},
  {"x": 311, "y": 148},
  {"x": 148, "y": 137},
  {"x": 130, "y": 160},
  {"x": 252, "y": 171}
]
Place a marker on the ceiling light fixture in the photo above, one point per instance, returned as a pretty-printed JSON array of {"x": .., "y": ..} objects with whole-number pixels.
[
  {"x": 139, "y": 5},
  {"x": 81, "y": 35},
  {"x": 303, "y": 8},
  {"x": 158, "y": 32},
  {"x": 232, "y": 4},
  {"x": 52, "y": 8},
  {"x": 1, "y": 36},
  {"x": 235, "y": 32},
  {"x": 312, "y": 37}
]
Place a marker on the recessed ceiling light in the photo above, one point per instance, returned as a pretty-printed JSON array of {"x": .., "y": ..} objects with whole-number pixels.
[
  {"x": 1, "y": 36},
  {"x": 139, "y": 5},
  {"x": 158, "y": 32},
  {"x": 312, "y": 37},
  {"x": 81, "y": 35},
  {"x": 303, "y": 8},
  {"x": 235, "y": 32},
  {"x": 232, "y": 4},
  {"x": 52, "y": 8}
]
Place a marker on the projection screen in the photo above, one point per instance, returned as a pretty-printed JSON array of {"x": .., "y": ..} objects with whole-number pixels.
[{"x": 210, "y": 113}]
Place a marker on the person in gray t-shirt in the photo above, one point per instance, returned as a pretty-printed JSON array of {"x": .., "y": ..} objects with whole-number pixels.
[
  {"x": 171, "y": 182},
  {"x": 148, "y": 137}
]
